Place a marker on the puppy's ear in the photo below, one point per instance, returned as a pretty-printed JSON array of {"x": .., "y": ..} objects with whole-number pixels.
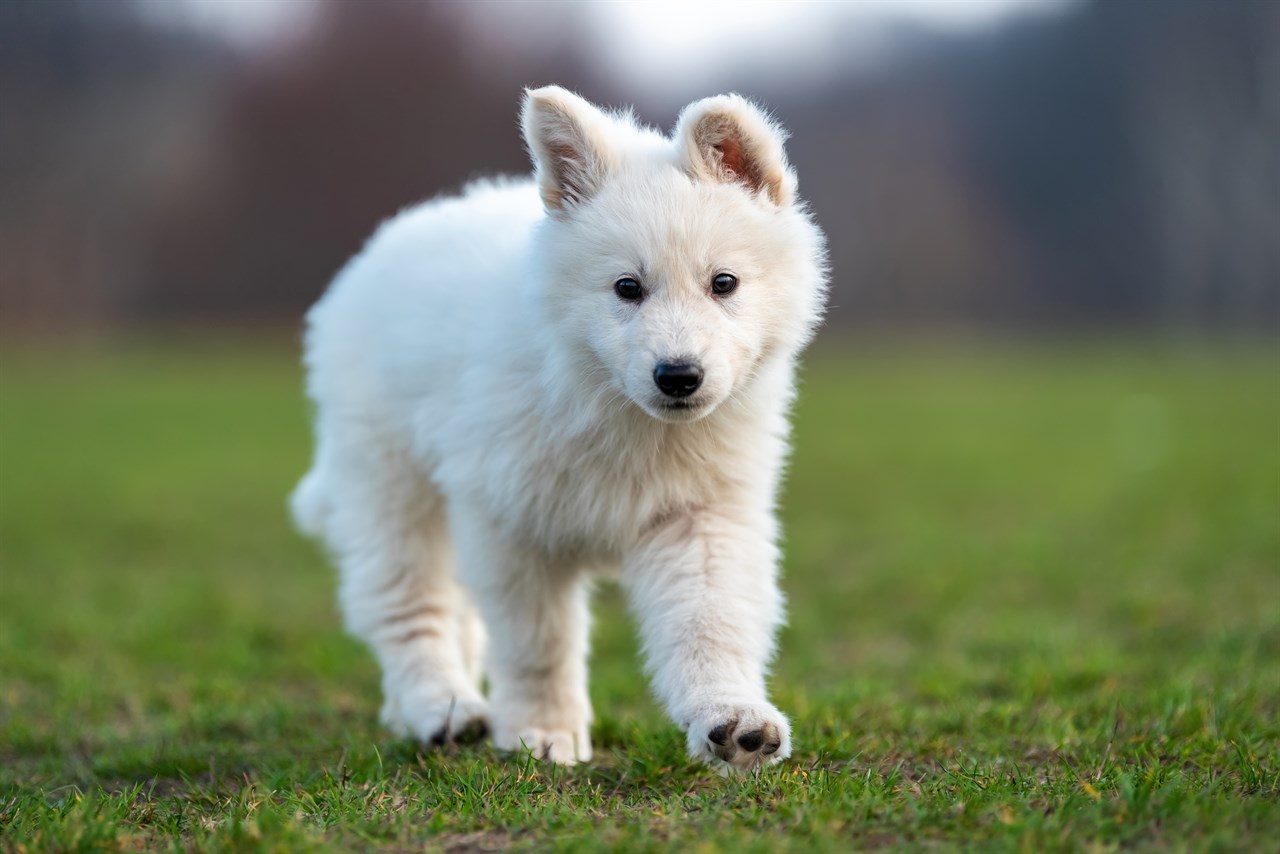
[
  {"x": 729, "y": 139},
  {"x": 568, "y": 142}
]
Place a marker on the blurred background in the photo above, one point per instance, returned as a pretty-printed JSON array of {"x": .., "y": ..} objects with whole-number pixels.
[
  {"x": 1036, "y": 480},
  {"x": 976, "y": 163}
]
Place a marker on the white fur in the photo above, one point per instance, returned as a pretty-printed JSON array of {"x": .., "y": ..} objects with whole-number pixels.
[{"x": 489, "y": 432}]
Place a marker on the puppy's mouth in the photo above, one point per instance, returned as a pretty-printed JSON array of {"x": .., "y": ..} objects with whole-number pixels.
[{"x": 677, "y": 411}]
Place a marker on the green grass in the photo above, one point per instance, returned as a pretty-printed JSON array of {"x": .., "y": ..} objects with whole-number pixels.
[{"x": 1035, "y": 598}]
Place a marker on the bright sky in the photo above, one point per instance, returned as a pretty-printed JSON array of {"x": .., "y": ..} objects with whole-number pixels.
[
  {"x": 659, "y": 43},
  {"x": 685, "y": 27},
  {"x": 684, "y": 38}
]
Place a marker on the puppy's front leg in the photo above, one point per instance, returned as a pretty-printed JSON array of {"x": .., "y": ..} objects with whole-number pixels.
[
  {"x": 704, "y": 589},
  {"x": 536, "y": 614}
]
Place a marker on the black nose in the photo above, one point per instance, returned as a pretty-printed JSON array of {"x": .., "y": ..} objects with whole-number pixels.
[{"x": 677, "y": 380}]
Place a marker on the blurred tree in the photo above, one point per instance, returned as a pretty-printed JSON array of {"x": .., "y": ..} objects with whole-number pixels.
[
  {"x": 88, "y": 96},
  {"x": 1117, "y": 164},
  {"x": 367, "y": 112},
  {"x": 1114, "y": 163},
  {"x": 1209, "y": 131}
]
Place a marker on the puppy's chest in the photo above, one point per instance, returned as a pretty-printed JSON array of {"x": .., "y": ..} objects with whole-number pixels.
[{"x": 595, "y": 497}]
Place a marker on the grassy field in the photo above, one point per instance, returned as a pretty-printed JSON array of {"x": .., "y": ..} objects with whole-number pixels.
[{"x": 1035, "y": 598}]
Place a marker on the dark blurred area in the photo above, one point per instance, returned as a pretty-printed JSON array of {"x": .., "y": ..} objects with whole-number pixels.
[{"x": 1110, "y": 164}]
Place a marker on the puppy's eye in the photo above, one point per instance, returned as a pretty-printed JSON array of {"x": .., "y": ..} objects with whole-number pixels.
[
  {"x": 628, "y": 289},
  {"x": 724, "y": 283}
]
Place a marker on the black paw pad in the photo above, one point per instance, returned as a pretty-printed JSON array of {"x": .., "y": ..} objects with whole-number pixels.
[
  {"x": 720, "y": 735},
  {"x": 751, "y": 740},
  {"x": 471, "y": 731}
]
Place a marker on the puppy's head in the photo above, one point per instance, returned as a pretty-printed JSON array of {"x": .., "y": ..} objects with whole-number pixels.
[{"x": 680, "y": 264}]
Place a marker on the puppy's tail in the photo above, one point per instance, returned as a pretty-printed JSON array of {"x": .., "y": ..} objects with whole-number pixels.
[{"x": 310, "y": 505}]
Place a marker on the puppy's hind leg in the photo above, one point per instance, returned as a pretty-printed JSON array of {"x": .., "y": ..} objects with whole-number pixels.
[{"x": 399, "y": 594}]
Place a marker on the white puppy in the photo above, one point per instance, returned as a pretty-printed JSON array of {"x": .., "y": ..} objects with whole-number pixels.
[{"x": 540, "y": 379}]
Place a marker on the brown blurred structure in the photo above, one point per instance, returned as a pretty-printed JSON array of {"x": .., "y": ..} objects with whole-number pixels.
[{"x": 1114, "y": 164}]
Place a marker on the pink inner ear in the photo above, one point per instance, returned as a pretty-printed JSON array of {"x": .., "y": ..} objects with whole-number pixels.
[
  {"x": 734, "y": 161},
  {"x": 561, "y": 189}
]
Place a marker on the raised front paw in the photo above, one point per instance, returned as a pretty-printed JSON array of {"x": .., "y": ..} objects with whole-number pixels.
[{"x": 739, "y": 736}]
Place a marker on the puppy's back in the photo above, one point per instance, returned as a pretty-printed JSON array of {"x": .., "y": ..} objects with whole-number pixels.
[{"x": 427, "y": 289}]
